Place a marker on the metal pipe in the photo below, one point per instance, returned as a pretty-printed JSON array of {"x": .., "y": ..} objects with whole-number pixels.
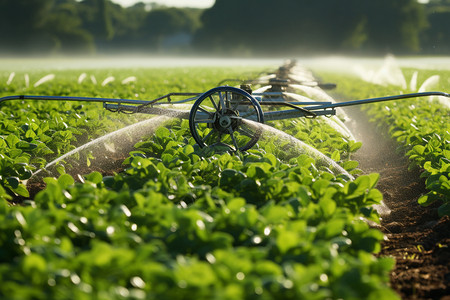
[
  {"x": 388, "y": 98},
  {"x": 151, "y": 110},
  {"x": 295, "y": 113},
  {"x": 283, "y": 103},
  {"x": 93, "y": 99},
  {"x": 69, "y": 98}
]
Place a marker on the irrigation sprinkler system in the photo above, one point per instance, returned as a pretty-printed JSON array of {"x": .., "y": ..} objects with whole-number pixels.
[{"x": 227, "y": 115}]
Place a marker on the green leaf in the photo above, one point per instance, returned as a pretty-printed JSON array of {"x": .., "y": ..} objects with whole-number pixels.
[
  {"x": 21, "y": 190},
  {"x": 320, "y": 186},
  {"x": 25, "y": 145},
  {"x": 13, "y": 182},
  {"x": 350, "y": 165},
  {"x": 374, "y": 196},
  {"x": 336, "y": 156},
  {"x": 60, "y": 169},
  {"x": 354, "y": 146},
  {"x": 374, "y": 177},
  {"x": 188, "y": 149},
  {"x": 444, "y": 209},
  {"x": 272, "y": 158},
  {"x": 230, "y": 178},
  {"x": 196, "y": 275},
  {"x": 287, "y": 240},
  {"x": 327, "y": 206},
  {"x": 257, "y": 172},
  {"x": 65, "y": 181},
  {"x": 332, "y": 228},
  {"x": 419, "y": 149},
  {"x": 162, "y": 133},
  {"x": 426, "y": 200},
  {"x": 34, "y": 262},
  {"x": 94, "y": 177},
  {"x": 12, "y": 140}
]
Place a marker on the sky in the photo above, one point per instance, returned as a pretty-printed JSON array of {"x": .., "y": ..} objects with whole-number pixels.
[{"x": 178, "y": 3}]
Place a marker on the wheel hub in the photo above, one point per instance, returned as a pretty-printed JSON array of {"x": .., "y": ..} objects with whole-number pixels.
[{"x": 224, "y": 121}]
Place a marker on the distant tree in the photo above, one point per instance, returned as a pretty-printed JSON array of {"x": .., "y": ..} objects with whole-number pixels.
[
  {"x": 394, "y": 26},
  {"x": 105, "y": 27},
  {"x": 272, "y": 27},
  {"x": 239, "y": 26},
  {"x": 312, "y": 26},
  {"x": 96, "y": 19},
  {"x": 64, "y": 25},
  {"x": 440, "y": 3},
  {"x": 329, "y": 25},
  {"x": 21, "y": 24},
  {"x": 163, "y": 22},
  {"x": 436, "y": 39},
  {"x": 126, "y": 23}
]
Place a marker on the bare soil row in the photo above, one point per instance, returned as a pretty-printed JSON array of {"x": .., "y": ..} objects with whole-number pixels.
[{"x": 415, "y": 236}]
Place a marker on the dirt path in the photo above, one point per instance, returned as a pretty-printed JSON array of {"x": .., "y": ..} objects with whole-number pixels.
[{"x": 416, "y": 237}]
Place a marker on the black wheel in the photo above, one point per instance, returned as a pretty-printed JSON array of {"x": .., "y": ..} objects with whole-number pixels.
[{"x": 225, "y": 116}]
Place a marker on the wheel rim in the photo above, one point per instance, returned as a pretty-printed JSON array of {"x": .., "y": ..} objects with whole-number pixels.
[{"x": 224, "y": 116}]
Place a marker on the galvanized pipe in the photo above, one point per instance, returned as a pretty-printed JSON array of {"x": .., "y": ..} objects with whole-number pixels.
[
  {"x": 381, "y": 99},
  {"x": 100, "y": 100}
]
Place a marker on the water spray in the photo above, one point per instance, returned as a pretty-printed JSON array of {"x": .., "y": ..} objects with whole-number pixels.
[{"x": 219, "y": 116}]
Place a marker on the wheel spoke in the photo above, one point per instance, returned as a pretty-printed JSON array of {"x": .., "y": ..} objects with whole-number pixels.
[
  {"x": 208, "y": 135},
  {"x": 252, "y": 112},
  {"x": 230, "y": 130},
  {"x": 207, "y": 120},
  {"x": 222, "y": 102},
  {"x": 214, "y": 103},
  {"x": 205, "y": 111},
  {"x": 237, "y": 104},
  {"x": 246, "y": 132},
  {"x": 204, "y": 121}
]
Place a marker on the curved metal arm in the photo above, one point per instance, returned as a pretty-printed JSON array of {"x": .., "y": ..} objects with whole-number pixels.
[
  {"x": 139, "y": 105},
  {"x": 388, "y": 98},
  {"x": 100, "y": 100},
  {"x": 288, "y": 104}
]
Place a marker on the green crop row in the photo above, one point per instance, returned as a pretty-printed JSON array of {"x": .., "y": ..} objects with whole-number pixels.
[
  {"x": 189, "y": 223},
  {"x": 32, "y": 133},
  {"x": 183, "y": 222},
  {"x": 422, "y": 129}
]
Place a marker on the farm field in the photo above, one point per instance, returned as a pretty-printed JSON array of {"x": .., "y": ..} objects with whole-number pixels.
[{"x": 148, "y": 214}]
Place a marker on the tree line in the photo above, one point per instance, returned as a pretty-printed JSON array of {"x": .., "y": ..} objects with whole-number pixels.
[{"x": 229, "y": 27}]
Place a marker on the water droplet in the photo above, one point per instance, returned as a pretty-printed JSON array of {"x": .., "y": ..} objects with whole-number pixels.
[
  {"x": 137, "y": 282},
  {"x": 200, "y": 224},
  {"x": 210, "y": 258},
  {"x": 240, "y": 276},
  {"x": 110, "y": 230},
  {"x": 75, "y": 279}
]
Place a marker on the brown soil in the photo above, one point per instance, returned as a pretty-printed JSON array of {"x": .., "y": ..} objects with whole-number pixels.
[
  {"x": 107, "y": 166},
  {"x": 415, "y": 236}
]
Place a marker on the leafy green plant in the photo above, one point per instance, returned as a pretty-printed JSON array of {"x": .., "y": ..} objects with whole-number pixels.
[
  {"x": 183, "y": 222},
  {"x": 421, "y": 128}
]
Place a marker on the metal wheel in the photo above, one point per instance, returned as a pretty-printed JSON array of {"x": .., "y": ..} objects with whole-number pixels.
[{"x": 224, "y": 116}]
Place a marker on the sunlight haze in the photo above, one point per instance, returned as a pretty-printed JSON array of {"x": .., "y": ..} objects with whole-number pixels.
[{"x": 178, "y": 3}]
